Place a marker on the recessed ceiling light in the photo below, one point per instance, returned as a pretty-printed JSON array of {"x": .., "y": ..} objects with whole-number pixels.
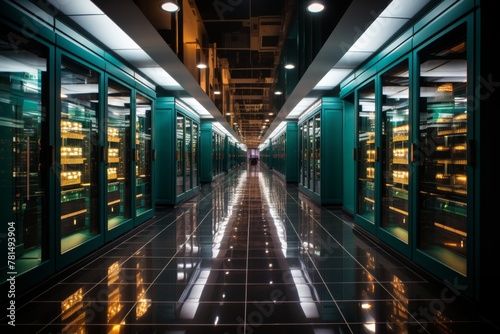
[
  {"x": 315, "y": 7},
  {"x": 170, "y": 6},
  {"x": 201, "y": 65},
  {"x": 278, "y": 92},
  {"x": 289, "y": 66}
]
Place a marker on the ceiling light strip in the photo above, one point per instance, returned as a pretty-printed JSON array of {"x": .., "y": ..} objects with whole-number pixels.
[{"x": 310, "y": 109}]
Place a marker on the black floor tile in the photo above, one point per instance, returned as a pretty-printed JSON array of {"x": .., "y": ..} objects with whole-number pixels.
[{"x": 230, "y": 261}]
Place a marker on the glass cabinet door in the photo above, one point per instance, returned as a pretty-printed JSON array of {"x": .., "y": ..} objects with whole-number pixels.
[
  {"x": 395, "y": 152},
  {"x": 310, "y": 153},
  {"x": 188, "y": 153},
  {"x": 78, "y": 154},
  {"x": 442, "y": 206},
  {"x": 215, "y": 153},
  {"x": 317, "y": 153},
  {"x": 195, "y": 155},
  {"x": 118, "y": 157},
  {"x": 180, "y": 155},
  {"x": 366, "y": 153},
  {"x": 24, "y": 166},
  {"x": 302, "y": 153},
  {"x": 143, "y": 148}
]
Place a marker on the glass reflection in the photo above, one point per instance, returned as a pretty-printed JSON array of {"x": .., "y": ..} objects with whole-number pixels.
[
  {"x": 393, "y": 314},
  {"x": 395, "y": 155},
  {"x": 144, "y": 157},
  {"x": 366, "y": 153},
  {"x": 310, "y": 145},
  {"x": 194, "y": 154},
  {"x": 253, "y": 243},
  {"x": 72, "y": 313},
  {"x": 443, "y": 177},
  {"x": 118, "y": 154},
  {"x": 79, "y": 154},
  {"x": 188, "y": 153},
  {"x": 180, "y": 154},
  {"x": 317, "y": 153},
  {"x": 24, "y": 139}
]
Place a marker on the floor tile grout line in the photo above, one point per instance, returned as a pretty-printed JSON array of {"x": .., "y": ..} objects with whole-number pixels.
[
  {"x": 100, "y": 282},
  {"x": 322, "y": 279},
  {"x": 379, "y": 249},
  {"x": 173, "y": 256},
  {"x": 178, "y": 249},
  {"x": 354, "y": 259},
  {"x": 144, "y": 245},
  {"x": 248, "y": 194}
]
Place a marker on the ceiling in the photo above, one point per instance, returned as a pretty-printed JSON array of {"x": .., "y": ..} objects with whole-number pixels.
[
  {"x": 248, "y": 36},
  {"x": 135, "y": 30}
]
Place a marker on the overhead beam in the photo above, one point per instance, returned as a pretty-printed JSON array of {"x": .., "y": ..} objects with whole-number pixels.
[{"x": 251, "y": 81}]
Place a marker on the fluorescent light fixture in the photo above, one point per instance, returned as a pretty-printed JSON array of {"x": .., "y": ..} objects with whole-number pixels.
[
  {"x": 195, "y": 106},
  {"x": 377, "y": 34},
  {"x": 111, "y": 35},
  {"x": 390, "y": 21},
  {"x": 278, "y": 130},
  {"x": 223, "y": 130},
  {"x": 217, "y": 92},
  {"x": 161, "y": 77},
  {"x": 332, "y": 79},
  {"x": 278, "y": 92},
  {"x": 201, "y": 65},
  {"x": 289, "y": 66},
  {"x": 304, "y": 104}
]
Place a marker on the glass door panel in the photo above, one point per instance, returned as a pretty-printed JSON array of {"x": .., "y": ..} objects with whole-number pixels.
[
  {"x": 195, "y": 154},
  {"x": 23, "y": 139},
  {"x": 180, "y": 155},
  {"x": 395, "y": 153},
  {"x": 443, "y": 153},
  {"x": 303, "y": 157},
  {"x": 317, "y": 153},
  {"x": 143, "y": 161},
  {"x": 79, "y": 154},
  {"x": 214, "y": 154},
  {"x": 366, "y": 153},
  {"x": 118, "y": 155},
  {"x": 188, "y": 153},
  {"x": 222, "y": 156},
  {"x": 310, "y": 151}
]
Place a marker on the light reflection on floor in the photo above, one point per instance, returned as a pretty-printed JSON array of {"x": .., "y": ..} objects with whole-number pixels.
[{"x": 249, "y": 254}]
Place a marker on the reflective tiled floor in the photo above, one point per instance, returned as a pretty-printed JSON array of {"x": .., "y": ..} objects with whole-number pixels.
[{"x": 250, "y": 254}]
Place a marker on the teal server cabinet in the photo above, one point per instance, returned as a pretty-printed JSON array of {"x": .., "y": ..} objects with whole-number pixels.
[
  {"x": 320, "y": 151},
  {"x": 214, "y": 149},
  {"x": 419, "y": 128},
  {"x": 177, "y": 153},
  {"x": 77, "y": 145},
  {"x": 281, "y": 154}
]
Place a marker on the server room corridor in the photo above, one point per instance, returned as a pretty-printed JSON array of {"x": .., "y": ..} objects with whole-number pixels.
[{"x": 249, "y": 254}]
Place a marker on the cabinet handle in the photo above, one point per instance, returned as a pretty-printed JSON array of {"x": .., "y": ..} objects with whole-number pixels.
[
  {"x": 104, "y": 154},
  {"x": 412, "y": 152},
  {"x": 471, "y": 154},
  {"x": 53, "y": 159},
  {"x": 135, "y": 154}
]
